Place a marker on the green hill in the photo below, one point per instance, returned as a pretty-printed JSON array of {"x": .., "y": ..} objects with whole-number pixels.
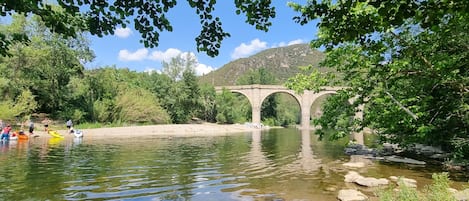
[{"x": 282, "y": 62}]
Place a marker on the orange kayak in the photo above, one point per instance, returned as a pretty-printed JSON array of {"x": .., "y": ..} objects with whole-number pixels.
[
  {"x": 18, "y": 136},
  {"x": 23, "y": 137}
]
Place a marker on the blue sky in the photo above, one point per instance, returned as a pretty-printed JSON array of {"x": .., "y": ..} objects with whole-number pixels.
[{"x": 124, "y": 50}]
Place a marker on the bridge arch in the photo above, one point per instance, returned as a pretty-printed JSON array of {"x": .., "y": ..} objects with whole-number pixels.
[
  {"x": 256, "y": 94},
  {"x": 315, "y": 107}
]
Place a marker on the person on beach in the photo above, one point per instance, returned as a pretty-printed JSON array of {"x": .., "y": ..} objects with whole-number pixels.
[
  {"x": 6, "y": 133},
  {"x": 46, "y": 122},
  {"x": 69, "y": 125},
  {"x": 31, "y": 127}
]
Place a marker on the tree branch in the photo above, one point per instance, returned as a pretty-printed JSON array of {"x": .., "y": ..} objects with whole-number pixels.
[{"x": 402, "y": 106}]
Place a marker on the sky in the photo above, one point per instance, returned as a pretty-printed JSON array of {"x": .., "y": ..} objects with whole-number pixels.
[{"x": 124, "y": 50}]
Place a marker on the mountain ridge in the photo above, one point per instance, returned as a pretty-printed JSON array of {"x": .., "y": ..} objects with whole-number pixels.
[{"x": 282, "y": 62}]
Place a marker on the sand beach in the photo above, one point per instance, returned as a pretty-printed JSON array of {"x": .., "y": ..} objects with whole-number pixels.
[{"x": 205, "y": 129}]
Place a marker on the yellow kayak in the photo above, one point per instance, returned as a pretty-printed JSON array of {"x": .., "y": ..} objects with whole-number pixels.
[{"x": 55, "y": 134}]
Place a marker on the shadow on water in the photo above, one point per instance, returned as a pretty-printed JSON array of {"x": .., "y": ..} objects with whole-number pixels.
[{"x": 279, "y": 164}]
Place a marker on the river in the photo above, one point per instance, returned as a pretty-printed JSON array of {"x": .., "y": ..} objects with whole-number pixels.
[{"x": 279, "y": 164}]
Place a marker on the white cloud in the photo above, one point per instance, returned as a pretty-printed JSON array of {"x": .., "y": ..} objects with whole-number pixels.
[
  {"x": 295, "y": 42},
  {"x": 244, "y": 50},
  {"x": 143, "y": 54},
  {"x": 151, "y": 70},
  {"x": 123, "y": 32},
  {"x": 139, "y": 55},
  {"x": 202, "y": 69},
  {"x": 166, "y": 55}
]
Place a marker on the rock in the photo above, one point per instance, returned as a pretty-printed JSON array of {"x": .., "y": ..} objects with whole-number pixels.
[
  {"x": 350, "y": 151},
  {"x": 371, "y": 182},
  {"x": 389, "y": 149},
  {"x": 354, "y": 164},
  {"x": 454, "y": 167},
  {"x": 426, "y": 150},
  {"x": 355, "y": 146},
  {"x": 452, "y": 190},
  {"x": 462, "y": 195},
  {"x": 331, "y": 188},
  {"x": 398, "y": 159},
  {"x": 365, "y": 151},
  {"x": 412, "y": 183},
  {"x": 351, "y": 195},
  {"x": 352, "y": 176},
  {"x": 358, "y": 149},
  {"x": 440, "y": 156}
]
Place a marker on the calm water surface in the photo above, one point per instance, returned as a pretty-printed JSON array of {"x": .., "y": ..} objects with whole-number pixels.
[{"x": 280, "y": 164}]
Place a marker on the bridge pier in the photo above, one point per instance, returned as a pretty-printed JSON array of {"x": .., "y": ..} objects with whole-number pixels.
[
  {"x": 305, "y": 117},
  {"x": 256, "y": 115}
]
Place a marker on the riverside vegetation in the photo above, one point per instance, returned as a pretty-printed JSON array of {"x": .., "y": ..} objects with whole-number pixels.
[{"x": 46, "y": 75}]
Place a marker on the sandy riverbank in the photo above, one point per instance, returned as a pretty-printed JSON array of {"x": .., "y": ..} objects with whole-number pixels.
[{"x": 206, "y": 129}]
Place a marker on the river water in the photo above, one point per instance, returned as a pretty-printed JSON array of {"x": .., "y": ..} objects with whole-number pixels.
[{"x": 279, "y": 164}]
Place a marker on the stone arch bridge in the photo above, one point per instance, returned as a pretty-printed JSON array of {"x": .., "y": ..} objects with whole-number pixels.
[{"x": 256, "y": 94}]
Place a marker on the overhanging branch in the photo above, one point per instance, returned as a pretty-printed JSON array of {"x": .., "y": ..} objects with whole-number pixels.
[{"x": 402, "y": 106}]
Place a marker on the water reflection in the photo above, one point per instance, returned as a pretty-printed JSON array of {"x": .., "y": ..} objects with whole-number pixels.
[
  {"x": 256, "y": 163},
  {"x": 307, "y": 162},
  {"x": 77, "y": 141}
]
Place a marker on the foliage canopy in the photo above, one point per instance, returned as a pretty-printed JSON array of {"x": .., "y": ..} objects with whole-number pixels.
[
  {"x": 149, "y": 18},
  {"x": 406, "y": 61}
]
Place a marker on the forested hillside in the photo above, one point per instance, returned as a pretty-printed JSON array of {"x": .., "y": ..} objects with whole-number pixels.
[{"x": 282, "y": 62}]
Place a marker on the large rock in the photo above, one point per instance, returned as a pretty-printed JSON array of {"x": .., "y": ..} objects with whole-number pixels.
[
  {"x": 352, "y": 176},
  {"x": 398, "y": 159},
  {"x": 462, "y": 195},
  {"x": 351, "y": 195},
  {"x": 354, "y": 164},
  {"x": 371, "y": 182},
  {"x": 427, "y": 150},
  {"x": 390, "y": 149},
  {"x": 358, "y": 149}
]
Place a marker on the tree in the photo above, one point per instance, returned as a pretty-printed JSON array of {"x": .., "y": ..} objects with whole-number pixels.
[
  {"x": 207, "y": 101},
  {"x": 181, "y": 99},
  {"x": 406, "y": 61},
  {"x": 139, "y": 106},
  {"x": 178, "y": 65},
  {"x": 22, "y": 106},
  {"x": 45, "y": 67},
  {"x": 101, "y": 17},
  {"x": 226, "y": 112},
  {"x": 191, "y": 87}
]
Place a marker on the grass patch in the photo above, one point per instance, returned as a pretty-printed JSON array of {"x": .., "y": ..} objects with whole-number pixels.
[{"x": 437, "y": 191}]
